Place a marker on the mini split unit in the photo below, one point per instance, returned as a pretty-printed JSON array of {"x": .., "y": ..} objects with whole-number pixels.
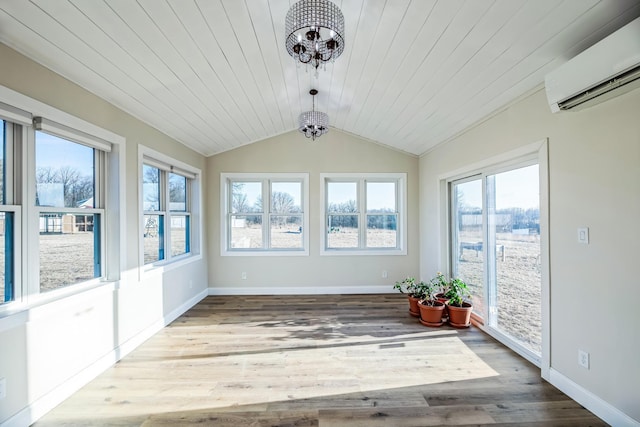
[{"x": 607, "y": 69}]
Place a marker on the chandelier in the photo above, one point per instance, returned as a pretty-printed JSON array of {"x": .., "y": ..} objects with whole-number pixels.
[
  {"x": 314, "y": 31},
  {"x": 313, "y": 124}
]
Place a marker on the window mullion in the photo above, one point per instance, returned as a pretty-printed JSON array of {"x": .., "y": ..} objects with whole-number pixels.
[
  {"x": 489, "y": 233},
  {"x": 31, "y": 218},
  {"x": 266, "y": 217},
  {"x": 166, "y": 210},
  {"x": 8, "y": 178},
  {"x": 397, "y": 214},
  {"x": 362, "y": 213},
  {"x": 229, "y": 223}
]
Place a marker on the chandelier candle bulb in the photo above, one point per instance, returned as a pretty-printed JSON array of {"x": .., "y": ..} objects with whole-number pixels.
[{"x": 322, "y": 23}]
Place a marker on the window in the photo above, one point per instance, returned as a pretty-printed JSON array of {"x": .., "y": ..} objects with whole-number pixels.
[
  {"x": 7, "y": 214},
  {"x": 364, "y": 214},
  {"x": 265, "y": 214},
  {"x": 69, "y": 235},
  {"x": 53, "y": 203},
  {"x": 167, "y": 205},
  {"x": 496, "y": 250}
]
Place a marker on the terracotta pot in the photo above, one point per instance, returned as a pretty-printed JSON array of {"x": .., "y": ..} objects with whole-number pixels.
[
  {"x": 413, "y": 306},
  {"x": 431, "y": 315},
  {"x": 460, "y": 317},
  {"x": 445, "y": 314}
]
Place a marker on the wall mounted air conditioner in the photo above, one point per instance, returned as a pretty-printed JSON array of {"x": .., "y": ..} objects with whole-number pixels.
[{"x": 607, "y": 69}]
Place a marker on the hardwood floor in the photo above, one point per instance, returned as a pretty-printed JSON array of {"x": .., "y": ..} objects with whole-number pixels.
[{"x": 350, "y": 360}]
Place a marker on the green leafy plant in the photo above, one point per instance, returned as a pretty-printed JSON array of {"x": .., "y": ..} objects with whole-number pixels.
[
  {"x": 428, "y": 295},
  {"x": 410, "y": 286},
  {"x": 437, "y": 285},
  {"x": 440, "y": 284},
  {"x": 458, "y": 293}
]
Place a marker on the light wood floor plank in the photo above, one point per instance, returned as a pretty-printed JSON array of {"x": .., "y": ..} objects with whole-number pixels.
[{"x": 338, "y": 360}]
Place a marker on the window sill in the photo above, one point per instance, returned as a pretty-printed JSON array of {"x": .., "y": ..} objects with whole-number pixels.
[
  {"x": 362, "y": 252},
  {"x": 283, "y": 253},
  {"x": 165, "y": 266},
  {"x": 14, "y": 313}
]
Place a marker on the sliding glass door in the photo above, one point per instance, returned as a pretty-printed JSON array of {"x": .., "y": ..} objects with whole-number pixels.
[
  {"x": 495, "y": 248},
  {"x": 467, "y": 238}
]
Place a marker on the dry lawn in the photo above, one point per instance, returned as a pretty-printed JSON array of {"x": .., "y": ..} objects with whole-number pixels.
[
  {"x": 67, "y": 259},
  {"x": 289, "y": 236},
  {"x": 518, "y": 279}
]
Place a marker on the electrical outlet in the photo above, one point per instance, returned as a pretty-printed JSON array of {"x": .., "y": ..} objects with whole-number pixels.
[
  {"x": 3, "y": 388},
  {"x": 583, "y": 359},
  {"x": 384, "y": 274},
  {"x": 244, "y": 275}
]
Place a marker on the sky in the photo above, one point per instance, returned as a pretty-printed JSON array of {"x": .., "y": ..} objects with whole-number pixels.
[
  {"x": 340, "y": 192},
  {"x": 254, "y": 189},
  {"x": 380, "y": 195},
  {"x": 516, "y": 188},
  {"x": 55, "y": 152}
]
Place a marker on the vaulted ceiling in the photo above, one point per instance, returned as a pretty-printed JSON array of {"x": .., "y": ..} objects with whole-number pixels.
[{"x": 215, "y": 74}]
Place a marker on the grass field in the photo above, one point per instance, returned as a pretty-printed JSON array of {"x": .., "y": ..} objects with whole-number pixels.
[
  {"x": 518, "y": 278},
  {"x": 289, "y": 236}
]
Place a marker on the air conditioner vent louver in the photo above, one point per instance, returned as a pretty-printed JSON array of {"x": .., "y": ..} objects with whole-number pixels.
[
  {"x": 607, "y": 69},
  {"x": 618, "y": 82}
]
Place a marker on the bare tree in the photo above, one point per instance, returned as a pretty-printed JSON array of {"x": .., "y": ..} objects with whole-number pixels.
[
  {"x": 239, "y": 200},
  {"x": 68, "y": 177},
  {"x": 177, "y": 189},
  {"x": 151, "y": 175},
  {"x": 81, "y": 190},
  {"x": 281, "y": 202},
  {"x": 75, "y": 187},
  {"x": 46, "y": 175}
]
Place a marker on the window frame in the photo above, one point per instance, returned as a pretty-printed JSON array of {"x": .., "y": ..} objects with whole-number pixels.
[
  {"x": 266, "y": 179},
  {"x": 17, "y": 109},
  {"x": 361, "y": 179},
  {"x": 166, "y": 166},
  {"x": 98, "y": 211},
  {"x": 13, "y": 136},
  {"x": 524, "y": 156}
]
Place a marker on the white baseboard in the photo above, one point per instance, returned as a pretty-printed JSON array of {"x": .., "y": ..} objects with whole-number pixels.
[
  {"x": 301, "y": 290},
  {"x": 46, "y": 403},
  {"x": 170, "y": 317},
  {"x": 607, "y": 412}
]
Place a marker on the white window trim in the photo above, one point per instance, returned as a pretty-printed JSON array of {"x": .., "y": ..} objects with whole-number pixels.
[
  {"x": 224, "y": 208},
  {"x": 401, "y": 178},
  {"x": 536, "y": 152},
  {"x": 20, "y": 109},
  {"x": 32, "y": 281},
  {"x": 151, "y": 157}
]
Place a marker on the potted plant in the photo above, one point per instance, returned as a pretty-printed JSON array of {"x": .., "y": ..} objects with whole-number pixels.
[
  {"x": 458, "y": 306},
  {"x": 431, "y": 310},
  {"x": 414, "y": 293},
  {"x": 441, "y": 285}
]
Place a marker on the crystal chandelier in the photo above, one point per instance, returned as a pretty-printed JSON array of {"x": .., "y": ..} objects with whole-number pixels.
[
  {"x": 313, "y": 124},
  {"x": 314, "y": 31}
]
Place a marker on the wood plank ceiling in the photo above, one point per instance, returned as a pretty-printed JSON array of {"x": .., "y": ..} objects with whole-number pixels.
[{"x": 215, "y": 75}]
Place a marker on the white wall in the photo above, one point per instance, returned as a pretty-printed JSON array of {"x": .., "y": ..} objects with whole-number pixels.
[
  {"x": 292, "y": 152},
  {"x": 49, "y": 350},
  {"x": 594, "y": 181}
]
